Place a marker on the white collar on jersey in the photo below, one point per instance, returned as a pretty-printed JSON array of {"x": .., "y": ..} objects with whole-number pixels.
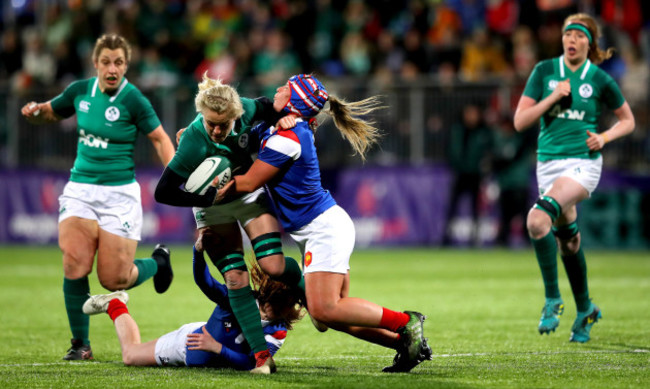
[
  {"x": 584, "y": 70},
  {"x": 96, "y": 86}
]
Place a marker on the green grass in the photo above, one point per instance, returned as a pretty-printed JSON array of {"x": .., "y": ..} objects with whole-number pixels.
[{"x": 482, "y": 310}]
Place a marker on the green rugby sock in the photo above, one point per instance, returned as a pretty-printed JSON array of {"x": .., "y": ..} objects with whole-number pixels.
[
  {"x": 248, "y": 316},
  {"x": 147, "y": 268},
  {"x": 75, "y": 294},
  {"x": 576, "y": 270},
  {"x": 546, "y": 252},
  {"x": 292, "y": 275}
]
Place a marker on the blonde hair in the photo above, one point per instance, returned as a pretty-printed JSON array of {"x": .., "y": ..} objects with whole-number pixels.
[
  {"x": 112, "y": 42},
  {"x": 361, "y": 134},
  {"x": 218, "y": 97},
  {"x": 596, "y": 54}
]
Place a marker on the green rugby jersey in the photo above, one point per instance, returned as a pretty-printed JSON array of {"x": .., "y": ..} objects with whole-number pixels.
[
  {"x": 195, "y": 145},
  {"x": 563, "y": 128},
  {"x": 108, "y": 126}
]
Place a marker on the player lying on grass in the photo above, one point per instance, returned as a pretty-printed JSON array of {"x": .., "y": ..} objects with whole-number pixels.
[{"x": 219, "y": 342}]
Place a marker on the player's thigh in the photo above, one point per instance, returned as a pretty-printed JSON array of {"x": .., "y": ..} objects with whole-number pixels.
[
  {"x": 567, "y": 192},
  {"x": 115, "y": 256},
  {"x": 78, "y": 240},
  {"x": 223, "y": 239},
  {"x": 324, "y": 289},
  {"x": 263, "y": 224}
]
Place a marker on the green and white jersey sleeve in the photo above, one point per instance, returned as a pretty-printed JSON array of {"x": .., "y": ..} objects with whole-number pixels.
[
  {"x": 563, "y": 128},
  {"x": 195, "y": 144},
  {"x": 108, "y": 126}
]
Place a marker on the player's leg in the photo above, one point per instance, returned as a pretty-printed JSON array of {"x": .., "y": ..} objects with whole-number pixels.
[
  {"x": 120, "y": 223},
  {"x": 225, "y": 249},
  {"x": 78, "y": 242},
  {"x": 134, "y": 353},
  {"x": 564, "y": 193},
  {"x": 264, "y": 233},
  {"x": 575, "y": 265}
]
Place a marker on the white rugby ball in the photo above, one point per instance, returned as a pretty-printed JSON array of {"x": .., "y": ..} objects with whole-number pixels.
[{"x": 199, "y": 181}]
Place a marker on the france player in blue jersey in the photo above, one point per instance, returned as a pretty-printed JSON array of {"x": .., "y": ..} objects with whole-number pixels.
[
  {"x": 288, "y": 165},
  {"x": 217, "y": 343}
]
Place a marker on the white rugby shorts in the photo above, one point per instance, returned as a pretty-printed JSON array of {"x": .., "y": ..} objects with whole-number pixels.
[
  {"x": 170, "y": 348},
  {"x": 243, "y": 210},
  {"x": 585, "y": 171},
  {"x": 117, "y": 209},
  {"x": 327, "y": 242}
]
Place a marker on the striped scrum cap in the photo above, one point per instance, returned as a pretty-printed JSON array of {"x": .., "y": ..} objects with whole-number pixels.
[{"x": 308, "y": 96}]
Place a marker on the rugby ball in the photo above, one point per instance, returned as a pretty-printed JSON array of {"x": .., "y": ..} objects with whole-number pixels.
[{"x": 212, "y": 167}]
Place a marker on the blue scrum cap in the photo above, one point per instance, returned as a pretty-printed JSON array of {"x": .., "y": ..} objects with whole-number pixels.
[{"x": 308, "y": 95}]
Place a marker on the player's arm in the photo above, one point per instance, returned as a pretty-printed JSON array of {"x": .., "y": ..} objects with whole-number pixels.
[
  {"x": 39, "y": 113},
  {"x": 213, "y": 289},
  {"x": 259, "y": 174},
  {"x": 530, "y": 111},
  {"x": 624, "y": 126},
  {"x": 163, "y": 144},
  {"x": 169, "y": 191},
  {"x": 206, "y": 342}
]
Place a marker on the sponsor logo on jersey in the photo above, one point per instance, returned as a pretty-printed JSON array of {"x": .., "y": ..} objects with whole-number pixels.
[
  {"x": 91, "y": 140},
  {"x": 552, "y": 84},
  {"x": 84, "y": 106},
  {"x": 243, "y": 141},
  {"x": 308, "y": 258},
  {"x": 571, "y": 114},
  {"x": 112, "y": 113},
  {"x": 199, "y": 216},
  {"x": 586, "y": 90}
]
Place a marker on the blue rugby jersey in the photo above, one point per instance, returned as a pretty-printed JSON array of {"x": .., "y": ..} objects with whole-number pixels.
[
  {"x": 297, "y": 193},
  {"x": 224, "y": 328}
]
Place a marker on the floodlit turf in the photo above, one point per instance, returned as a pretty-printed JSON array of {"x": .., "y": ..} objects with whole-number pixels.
[{"x": 482, "y": 308}]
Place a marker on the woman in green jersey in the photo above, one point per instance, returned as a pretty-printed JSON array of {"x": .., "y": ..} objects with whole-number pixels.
[
  {"x": 100, "y": 211},
  {"x": 565, "y": 95},
  {"x": 222, "y": 127}
]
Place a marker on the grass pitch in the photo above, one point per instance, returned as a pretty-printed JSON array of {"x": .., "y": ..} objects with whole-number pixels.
[{"x": 482, "y": 308}]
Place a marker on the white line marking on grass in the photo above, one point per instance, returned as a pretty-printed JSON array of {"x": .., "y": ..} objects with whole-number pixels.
[
  {"x": 480, "y": 354},
  {"x": 91, "y": 363}
]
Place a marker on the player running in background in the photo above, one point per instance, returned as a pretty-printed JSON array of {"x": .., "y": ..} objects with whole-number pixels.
[
  {"x": 100, "y": 211},
  {"x": 288, "y": 165},
  {"x": 222, "y": 127},
  {"x": 217, "y": 343},
  {"x": 565, "y": 95}
]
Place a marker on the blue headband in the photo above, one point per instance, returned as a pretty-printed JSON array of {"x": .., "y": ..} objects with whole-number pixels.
[
  {"x": 308, "y": 96},
  {"x": 579, "y": 27}
]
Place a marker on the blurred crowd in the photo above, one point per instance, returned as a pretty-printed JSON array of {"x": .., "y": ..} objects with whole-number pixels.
[
  {"x": 49, "y": 43},
  {"x": 459, "y": 49}
]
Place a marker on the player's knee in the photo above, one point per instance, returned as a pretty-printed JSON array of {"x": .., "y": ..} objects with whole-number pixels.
[
  {"x": 268, "y": 252},
  {"x": 273, "y": 265},
  {"x": 324, "y": 313},
  {"x": 128, "y": 358},
  {"x": 114, "y": 283},
  {"x": 76, "y": 263},
  {"x": 236, "y": 279},
  {"x": 538, "y": 224},
  {"x": 569, "y": 237}
]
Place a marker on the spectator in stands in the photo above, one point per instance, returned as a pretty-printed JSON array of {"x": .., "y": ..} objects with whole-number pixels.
[{"x": 469, "y": 147}]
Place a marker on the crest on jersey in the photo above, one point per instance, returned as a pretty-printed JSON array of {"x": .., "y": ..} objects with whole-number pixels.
[
  {"x": 243, "y": 141},
  {"x": 84, "y": 106},
  {"x": 552, "y": 84},
  {"x": 586, "y": 90},
  {"x": 112, "y": 113}
]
